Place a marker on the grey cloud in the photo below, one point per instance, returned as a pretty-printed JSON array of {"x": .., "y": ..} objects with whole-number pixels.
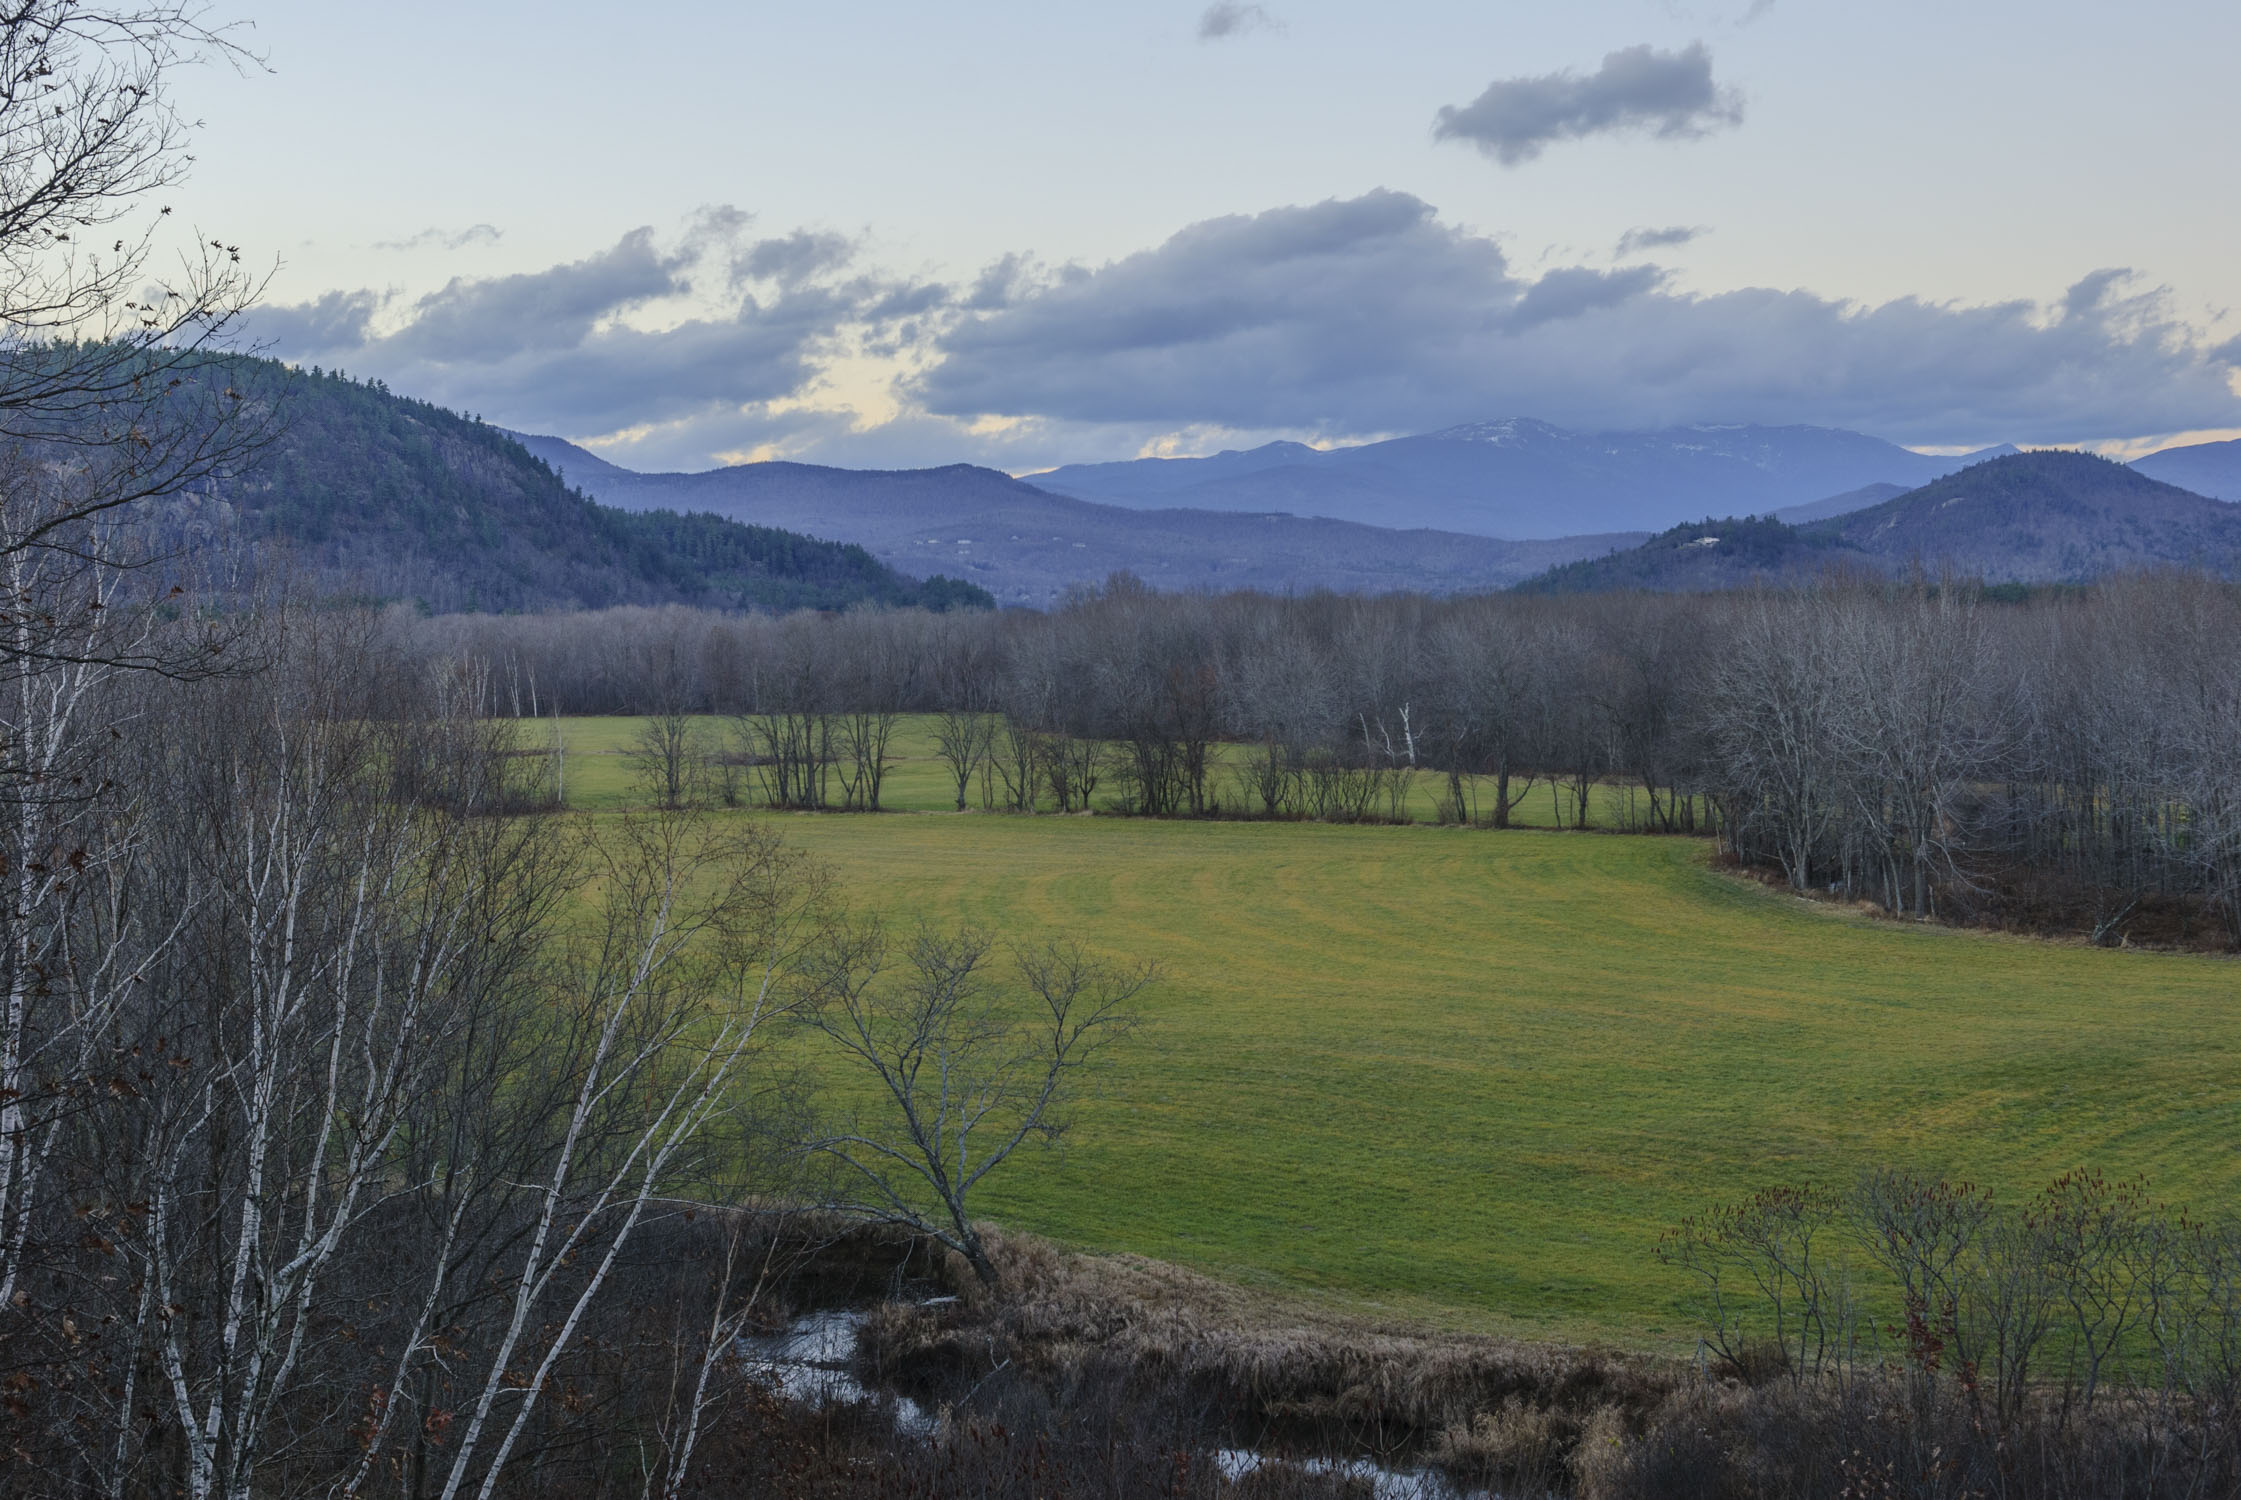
[
  {"x": 1668, "y": 94},
  {"x": 2095, "y": 291},
  {"x": 1228, "y": 18},
  {"x": 886, "y": 301},
  {"x": 545, "y": 349},
  {"x": 794, "y": 258},
  {"x": 1371, "y": 315},
  {"x": 997, "y": 283},
  {"x": 484, "y": 318},
  {"x": 1570, "y": 291},
  {"x": 335, "y": 320},
  {"x": 715, "y": 225},
  {"x": 446, "y": 239},
  {"x": 1635, "y": 241},
  {"x": 1339, "y": 319}
]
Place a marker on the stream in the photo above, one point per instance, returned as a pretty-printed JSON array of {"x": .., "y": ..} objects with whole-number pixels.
[{"x": 811, "y": 1360}]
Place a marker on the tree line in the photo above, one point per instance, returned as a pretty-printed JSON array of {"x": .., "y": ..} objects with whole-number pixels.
[{"x": 2064, "y": 760}]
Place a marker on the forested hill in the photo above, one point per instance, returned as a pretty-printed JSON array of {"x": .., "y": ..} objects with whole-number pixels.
[
  {"x": 362, "y": 492},
  {"x": 1703, "y": 557},
  {"x": 2048, "y": 517},
  {"x": 2031, "y": 518}
]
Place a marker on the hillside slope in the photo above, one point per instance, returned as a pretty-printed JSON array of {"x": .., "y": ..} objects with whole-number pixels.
[
  {"x": 1705, "y": 557},
  {"x": 1027, "y": 546},
  {"x": 1522, "y": 478},
  {"x": 367, "y": 493}
]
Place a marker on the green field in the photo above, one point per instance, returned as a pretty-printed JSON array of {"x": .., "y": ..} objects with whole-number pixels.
[
  {"x": 599, "y": 774},
  {"x": 1469, "y": 1076}
]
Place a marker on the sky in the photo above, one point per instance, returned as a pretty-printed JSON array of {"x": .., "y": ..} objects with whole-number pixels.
[{"x": 896, "y": 235}]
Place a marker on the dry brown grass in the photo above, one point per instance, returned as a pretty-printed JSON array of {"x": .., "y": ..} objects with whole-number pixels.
[
  {"x": 1220, "y": 1364},
  {"x": 1269, "y": 1369}
]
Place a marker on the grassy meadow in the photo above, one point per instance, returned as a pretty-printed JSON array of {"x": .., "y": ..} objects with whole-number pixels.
[
  {"x": 1468, "y": 1077},
  {"x": 599, "y": 775}
]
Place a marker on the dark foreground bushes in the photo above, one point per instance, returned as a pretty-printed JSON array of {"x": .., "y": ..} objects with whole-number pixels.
[
  {"x": 1871, "y": 1437},
  {"x": 1075, "y": 1342},
  {"x": 1261, "y": 1374}
]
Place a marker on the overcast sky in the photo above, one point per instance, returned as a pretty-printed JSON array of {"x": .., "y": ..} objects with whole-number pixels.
[{"x": 897, "y": 234}]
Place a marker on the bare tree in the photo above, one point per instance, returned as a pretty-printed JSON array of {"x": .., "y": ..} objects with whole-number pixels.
[
  {"x": 115, "y": 394},
  {"x": 962, "y": 670},
  {"x": 965, "y": 1074},
  {"x": 667, "y": 755},
  {"x": 370, "y": 1061},
  {"x": 670, "y": 1000},
  {"x": 1914, "y": 730},
  {"x": 963, "y": 738}
]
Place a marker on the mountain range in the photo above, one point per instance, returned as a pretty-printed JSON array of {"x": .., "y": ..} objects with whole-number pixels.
[
  {"x": 369, "y": 493},
  {"x": 1027, "y": 545},
  {"x": 2044, "y": 517},
  {"x": 1484, "y": 506},
  {"x": 1522, "y": 478}
]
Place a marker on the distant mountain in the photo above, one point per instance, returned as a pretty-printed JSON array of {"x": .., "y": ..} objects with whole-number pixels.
[
  {"x": 2050, "y": 517},
  {"x": 2054, "y": 517},
  {"x": 1521, "y": 478},
  {"x": 1155, "y": 481},
  {"x": 1027, "y": 545},
  {"x": 1840, "y": 505},
  {"x": 367, "y": 493},
  {"x": 2212, "y": 469}
]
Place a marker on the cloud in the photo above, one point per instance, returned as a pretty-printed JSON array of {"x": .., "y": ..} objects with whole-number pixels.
[
  {"x": 446, "y": 239},
  {"x": 481, "y": 319},
  {"x": 1668, "y": 94},
  {"x": 1228, "y": 18},
  {"x": 1571, "y": 291},
  {"x": 1345, "y": 319},
  {"x": 1371, "y": 315},
  {"x": 1635, "y": 241},
  {"x": 334, "y": 320},
  {"x": 646, "y": 331},
  {"x": 794, "y": 258}
]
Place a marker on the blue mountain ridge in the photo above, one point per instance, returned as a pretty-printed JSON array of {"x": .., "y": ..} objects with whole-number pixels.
[{"x": 1520, "y": 478}]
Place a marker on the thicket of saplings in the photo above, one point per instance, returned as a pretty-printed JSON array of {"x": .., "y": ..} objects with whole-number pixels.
[{"x": 2063, "y": 763}]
